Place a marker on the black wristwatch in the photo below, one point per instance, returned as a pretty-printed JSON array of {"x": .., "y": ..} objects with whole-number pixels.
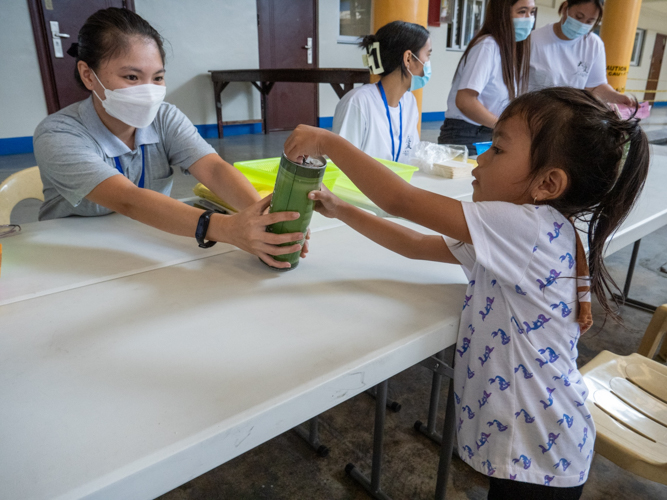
[{"x": 202, "y": 229}]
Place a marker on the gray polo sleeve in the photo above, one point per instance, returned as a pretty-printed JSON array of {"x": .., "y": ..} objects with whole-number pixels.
[
  {"x": 182, "y": 142},
  {"x": 69, "y": 159}
]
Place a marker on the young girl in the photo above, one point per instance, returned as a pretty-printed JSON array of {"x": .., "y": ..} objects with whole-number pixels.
[
  {"x": 381, "y": 118},
  {"x": 558, "y": 154},
  {"x": 492, "y": 71}
]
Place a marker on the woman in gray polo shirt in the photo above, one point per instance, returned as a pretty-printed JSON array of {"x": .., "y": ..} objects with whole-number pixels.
[{"x": 116, "y": 150}]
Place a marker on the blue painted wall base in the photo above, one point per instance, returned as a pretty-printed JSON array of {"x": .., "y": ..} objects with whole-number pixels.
[
  {"x": 20, "y": 145},
  {"x": 15, "y": 145}
]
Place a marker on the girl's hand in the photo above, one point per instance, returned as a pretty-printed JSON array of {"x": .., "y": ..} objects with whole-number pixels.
[
  {"x": 247, "y": 231},
  {"x": 327, "y": 203},
  {"x": 305, "y": 141},
  {"x": 306, "y": 245}
]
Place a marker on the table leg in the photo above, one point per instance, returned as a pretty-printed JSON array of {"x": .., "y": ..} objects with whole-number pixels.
[
  {"x": 624, "y": 299},
  {"x": 372, "y": 486},
  {"x": 312, "y": 437},
  {"x": 394, "y": 406},
  {"x": 429, "y": 429},
  {"x": 448, "y": 433},
  {"x": 218, "y": 87}
]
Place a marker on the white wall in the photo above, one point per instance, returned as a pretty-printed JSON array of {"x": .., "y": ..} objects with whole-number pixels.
[
  {"x": 331, "y": 53},
  {"x": 207, "y": 35},
  {"x": 222, "y": 34},
  {"x": 22, "y": 101}
]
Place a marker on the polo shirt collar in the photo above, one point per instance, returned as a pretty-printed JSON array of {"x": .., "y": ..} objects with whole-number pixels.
[{"x": 112, "y": 145}]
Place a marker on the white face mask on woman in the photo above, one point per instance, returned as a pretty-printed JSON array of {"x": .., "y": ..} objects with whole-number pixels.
[{"x": 135, "y": 106}]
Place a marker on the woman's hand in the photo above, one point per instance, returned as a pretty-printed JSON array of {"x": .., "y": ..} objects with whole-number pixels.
[
  {"x": 624, "y": 99},
  {"x": 327, "y": 203},
  {"x": 306, "y": 141},
  {"x": 247, "y": 231},
  {"x": 607, "y": 93}
]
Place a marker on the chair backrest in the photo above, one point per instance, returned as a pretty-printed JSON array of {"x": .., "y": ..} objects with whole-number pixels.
[
  {"x": 18, "y": 187},
  {"x": 655, "y": 333}
]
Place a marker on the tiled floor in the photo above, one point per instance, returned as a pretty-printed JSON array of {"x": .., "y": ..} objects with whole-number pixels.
[{"x": 286, "y": 468}]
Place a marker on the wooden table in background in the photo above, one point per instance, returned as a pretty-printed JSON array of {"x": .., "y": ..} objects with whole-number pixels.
[{"x": 341, "y": 79}]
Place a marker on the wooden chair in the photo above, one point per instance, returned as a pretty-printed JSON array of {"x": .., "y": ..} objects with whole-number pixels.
[
  {"x": 18, "y": 187},
  {"x": 628, "y": 402}
]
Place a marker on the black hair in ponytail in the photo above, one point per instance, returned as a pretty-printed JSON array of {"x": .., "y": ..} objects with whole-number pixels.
[
  {"x": 605, "y": 158},
  {"x": 106, "y": 33},
  {"x": 395, "y": 38}
]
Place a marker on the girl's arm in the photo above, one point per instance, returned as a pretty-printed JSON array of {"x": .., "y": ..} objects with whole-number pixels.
[
  {"x": 386, "y": 189},
  {"x": 469, "y": 105},
  {"x": 246, "y": 230},
  {"x": 399, "y": 239}
]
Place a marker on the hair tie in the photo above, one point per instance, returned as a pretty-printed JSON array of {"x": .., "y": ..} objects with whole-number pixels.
[
  {"x": 73, "y": 50},
  {"x": 372, "y": 59}
]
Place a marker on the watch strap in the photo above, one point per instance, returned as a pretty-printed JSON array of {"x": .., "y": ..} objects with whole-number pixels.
[{"x": 202, "y": 229}]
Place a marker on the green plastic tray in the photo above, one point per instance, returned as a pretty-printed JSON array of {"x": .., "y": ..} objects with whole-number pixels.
[
  {"x": 401, "y": 169},
  {"x": 264, "y": 172}
]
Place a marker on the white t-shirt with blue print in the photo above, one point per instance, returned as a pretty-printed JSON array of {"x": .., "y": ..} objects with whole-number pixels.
[{"x": 519, "y": 396}]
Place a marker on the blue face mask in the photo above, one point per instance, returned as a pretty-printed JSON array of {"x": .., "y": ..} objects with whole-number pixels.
[
  {"x": 574, "y": 29},
  {"x": 419, "y": 81},
  {"x": 522, "y": 27}
]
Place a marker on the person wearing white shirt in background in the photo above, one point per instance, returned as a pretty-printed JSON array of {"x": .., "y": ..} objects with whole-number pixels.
[
  {"x": 381, "y": 118},
  {"x": 568, "y": 53},
  {"x": 492, "y": 71}
]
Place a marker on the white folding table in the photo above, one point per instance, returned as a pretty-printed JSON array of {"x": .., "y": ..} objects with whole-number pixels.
[
  {"x": 132, "y": 361},
  {"x": 129, "y": 387}
]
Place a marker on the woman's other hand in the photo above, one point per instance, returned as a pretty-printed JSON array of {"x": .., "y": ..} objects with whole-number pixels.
[{"x": 247, "y": 231}]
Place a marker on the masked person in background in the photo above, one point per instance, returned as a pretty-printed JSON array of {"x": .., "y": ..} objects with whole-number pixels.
[
  {"x": 381, "y": 118},
  {"x": 492, "y": 71},
  {"x": 114, "y": 151},
  {"x": 568, "y": 54}
]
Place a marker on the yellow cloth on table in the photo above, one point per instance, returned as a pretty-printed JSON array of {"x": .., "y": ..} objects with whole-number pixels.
[{"x": 205, "y": 193}]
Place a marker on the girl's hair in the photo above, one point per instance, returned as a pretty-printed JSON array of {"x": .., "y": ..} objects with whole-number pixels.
[
  {"x": 571, "y": 3},
  {"x": 499, "y": 25},
  {"x": 395, "y": 38},
  {"x": 605, "y": 158},
  {"x": 106, "y": 33}
]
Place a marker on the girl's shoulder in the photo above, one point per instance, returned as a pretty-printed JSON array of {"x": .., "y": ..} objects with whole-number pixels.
[
  {"x": 543, "y": 34},
  {"x": 487, "y": 42},
  {"x": 593, "y": 41},
  {"x": 364, "y": 93}
]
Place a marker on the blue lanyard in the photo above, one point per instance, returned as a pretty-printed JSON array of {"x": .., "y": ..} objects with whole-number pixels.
[
  {"x": 391, "y": 130},
  {"x": 143, "y": 166}
]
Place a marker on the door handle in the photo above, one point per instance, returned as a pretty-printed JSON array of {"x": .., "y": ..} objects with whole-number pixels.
[
  {"x": 309, "y": 47},
  {"x": 56, "y": 35}
]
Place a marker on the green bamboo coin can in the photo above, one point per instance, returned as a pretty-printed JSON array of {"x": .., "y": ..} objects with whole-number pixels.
[{"x": 290, "y": 194}]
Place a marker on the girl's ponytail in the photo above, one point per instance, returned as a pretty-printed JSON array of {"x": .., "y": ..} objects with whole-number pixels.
[
  {"x": 367, "y": 41},
  {"x": 615, "y": 206}
]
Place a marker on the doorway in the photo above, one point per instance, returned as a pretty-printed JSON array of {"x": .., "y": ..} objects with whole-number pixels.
[
  {"x": 288, "y": 40},
  {"x": 656, "y": 65},
  {"x": 56, "y": 25}
]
